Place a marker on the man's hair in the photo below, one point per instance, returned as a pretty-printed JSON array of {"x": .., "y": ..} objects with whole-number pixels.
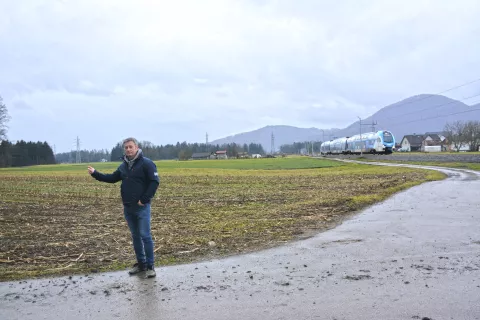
[{"x": 130, "y": 139}]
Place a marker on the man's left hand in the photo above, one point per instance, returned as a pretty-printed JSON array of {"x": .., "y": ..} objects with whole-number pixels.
[{"x": 140, "y": 203}]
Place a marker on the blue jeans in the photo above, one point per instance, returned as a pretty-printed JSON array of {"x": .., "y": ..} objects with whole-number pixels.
[{"x": 138, "y": 220}]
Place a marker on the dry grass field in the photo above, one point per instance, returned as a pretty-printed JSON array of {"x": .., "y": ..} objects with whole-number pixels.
[{"x": 57, "y": 220}]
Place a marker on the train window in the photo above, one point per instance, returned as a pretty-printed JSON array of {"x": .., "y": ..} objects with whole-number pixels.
[{"x": 387, "y": 137}]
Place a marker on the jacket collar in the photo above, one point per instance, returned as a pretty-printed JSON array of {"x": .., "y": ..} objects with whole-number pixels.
[{"x": 137, "y": 156}]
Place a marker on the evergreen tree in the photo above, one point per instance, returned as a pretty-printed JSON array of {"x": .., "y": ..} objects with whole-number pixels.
[
  {"x": 25, "y": 153},
  {"x": 117, "y": 152},
  {"x": 5, "y": 154}
]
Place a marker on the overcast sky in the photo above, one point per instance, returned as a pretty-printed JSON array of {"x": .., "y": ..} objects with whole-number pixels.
[{"x": 168, "y": 71}]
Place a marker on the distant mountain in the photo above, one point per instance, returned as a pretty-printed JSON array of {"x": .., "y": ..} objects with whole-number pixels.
[
  {"x": 414, "y": 115},
  {"x": 282, "y": 135}
]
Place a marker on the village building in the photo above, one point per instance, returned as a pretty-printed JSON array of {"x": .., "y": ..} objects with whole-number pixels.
[
  {"x": 201, "y": 156},
  {"x": 429, "y": 142},
  {"x": 412, "y": 142},
  {"x": 434, "y": 143},
  {"x": 221, "y": 154},
  {"x": 243, "y": 155}
]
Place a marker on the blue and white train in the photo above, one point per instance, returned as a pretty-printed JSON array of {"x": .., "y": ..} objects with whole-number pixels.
[{"x": 370, "y": 142}]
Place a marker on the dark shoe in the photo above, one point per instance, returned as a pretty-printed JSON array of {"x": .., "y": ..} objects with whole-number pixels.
[
  {"x": 137, "y": 267},
  {"x": 150, "y": 273}
]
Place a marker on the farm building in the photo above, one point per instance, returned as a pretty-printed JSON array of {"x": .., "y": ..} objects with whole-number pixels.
[
  {"x": 221, "y": 154},
  {"x": 434, "y": 138},
  {"x": 434, "y": 143},
  {"x": 243, "y": 155},
  {"x": 201, "y": 155},
  {"x": 412, "y": 142}
]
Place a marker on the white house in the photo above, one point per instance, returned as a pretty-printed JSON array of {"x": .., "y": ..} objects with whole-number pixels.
[
  {"x": 221, "y": 154},
  {"x": 412, "y": 142},
  {"x": 434, "y": 143},
  {"x": 463, "y": 147}
]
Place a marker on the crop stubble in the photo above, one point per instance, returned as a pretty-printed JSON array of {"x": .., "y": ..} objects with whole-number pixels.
[{"x": 63, "y": 224}]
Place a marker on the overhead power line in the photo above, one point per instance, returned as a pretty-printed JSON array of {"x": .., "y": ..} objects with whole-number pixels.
[
  {"x": 436, "y": 106},
  {"x": 462, "y": 85},
  {"x": 433, "y": 95},
  {"x": 433, "y": 107},
  {"x": 434, "y": 117},
  {"x": 448, "y": 90}
]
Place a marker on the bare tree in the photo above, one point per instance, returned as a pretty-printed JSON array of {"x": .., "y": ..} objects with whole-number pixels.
[
  {"x": 460, "y": 134},
  {"x": 471, "y": 134},
  {"x": 4, "y": 118},
  {"x": 454, "y": 133}
]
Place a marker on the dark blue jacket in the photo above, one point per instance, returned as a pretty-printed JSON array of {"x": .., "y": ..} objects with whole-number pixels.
[{"x": 138, "y": 183}]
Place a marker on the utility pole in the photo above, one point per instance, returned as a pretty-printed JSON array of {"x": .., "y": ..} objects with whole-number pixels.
[
  {"x": 361, "y": 152},
  {"x": 371, "y": 125},
  {"x": 78, "y": 158},
  {"x": 273, "y": 144},
  {"x": 207, "y": 149}
]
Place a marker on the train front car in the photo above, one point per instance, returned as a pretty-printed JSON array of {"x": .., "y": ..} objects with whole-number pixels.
[
  {"x": 388, "y": 141},
  {"x": 325, "y": 148}
]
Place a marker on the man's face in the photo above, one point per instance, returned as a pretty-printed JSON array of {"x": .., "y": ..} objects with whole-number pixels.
[{"x": 130, "y": 149}]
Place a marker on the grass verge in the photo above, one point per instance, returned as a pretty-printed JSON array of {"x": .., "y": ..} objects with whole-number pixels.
[{"x": 454, "y": 165}]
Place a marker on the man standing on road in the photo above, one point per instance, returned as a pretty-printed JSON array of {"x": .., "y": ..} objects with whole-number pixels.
[{"x": 140, "y": 181}]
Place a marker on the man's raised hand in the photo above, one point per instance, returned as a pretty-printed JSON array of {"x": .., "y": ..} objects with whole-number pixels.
[{"x": 91, "y": 170}]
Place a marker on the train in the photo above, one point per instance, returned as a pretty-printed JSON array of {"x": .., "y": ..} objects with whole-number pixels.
[{"x": 381, "y": 142}]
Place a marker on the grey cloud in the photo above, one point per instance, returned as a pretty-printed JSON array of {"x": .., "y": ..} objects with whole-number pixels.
[
  {"x": 341, "y": 114},
  {"x": 94, "y": 90},
  {"x": 20, "y": 104},
  {"x": 273, "y": 61}
]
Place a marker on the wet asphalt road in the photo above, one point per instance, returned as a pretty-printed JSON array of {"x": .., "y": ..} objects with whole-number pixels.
[{"x": 414, "y": 256}]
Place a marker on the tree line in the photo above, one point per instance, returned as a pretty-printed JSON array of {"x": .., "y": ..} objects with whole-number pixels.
[
  {"x": 184, "y": 150},
  {"x": 307, "y": 147},
  {"x": 85, "y": 156},
  {"x": 461, "y": 134},
  {"x": 24, "y": 153}
]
